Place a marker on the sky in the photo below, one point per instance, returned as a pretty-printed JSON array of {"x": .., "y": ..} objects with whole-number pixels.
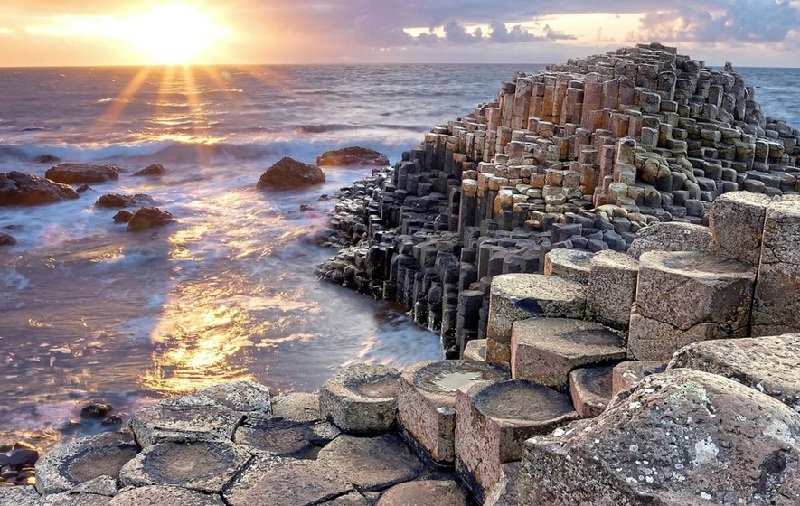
[{"x": 124, "y": 32}]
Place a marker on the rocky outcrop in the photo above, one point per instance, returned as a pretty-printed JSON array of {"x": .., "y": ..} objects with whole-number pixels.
[
  {"x": 155, "y": 169},
  {"x": 7, "y": 239},
  {"x": 147, "y": 218},
  {"x": 354, "y": 155},
  {"x": 76, "y": 173},
  {"x": 46, "y": 159},
  {"x": 117, "y": 200},
  {"x": 288, "y": 173},
  {"x": 20, "y": 189}
]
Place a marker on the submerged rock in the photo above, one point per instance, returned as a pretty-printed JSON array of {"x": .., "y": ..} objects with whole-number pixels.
[
  {"x": 288, "y": 173},
  {"x": 82, "y": 173},
  {"x": 149, "y": 217},
  {"x": 123, "y": 217},
  {"x": 46, "y": 159},
  {"x": 21, "y": 189},
  {"x": 155, "y": 169},
  {"x": 116, "y": 200},
  {"x": 353, "y": 155},
  {"x": 7, "y": 239}
]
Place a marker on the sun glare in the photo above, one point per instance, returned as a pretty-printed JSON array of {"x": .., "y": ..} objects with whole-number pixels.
[{"x": 175, "y": 33}]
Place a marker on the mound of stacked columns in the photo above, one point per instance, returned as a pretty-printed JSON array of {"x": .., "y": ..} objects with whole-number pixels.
[{"x": 580, "y": 156}]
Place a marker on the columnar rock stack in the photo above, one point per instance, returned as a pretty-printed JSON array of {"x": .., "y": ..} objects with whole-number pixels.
[{"x": 579, "y": 156}]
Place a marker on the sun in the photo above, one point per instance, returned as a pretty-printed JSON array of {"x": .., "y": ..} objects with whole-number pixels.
[{"x": 175, "y": 33}]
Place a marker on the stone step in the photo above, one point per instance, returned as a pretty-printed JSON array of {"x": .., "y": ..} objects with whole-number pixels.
[
  {"x": 419, "y": 493},
  {"x": 670, "y": 236},
  {"x": 611, "y": 288},
  {"x": 475, "y": 350},
  {"x": 427, "y": 401},
  {"x": 590, "y": 390},
  {"x": 683, "y": 297},
  {"x": 517, "y": 297},
  {"x": 492, "y": 421},
  {"x": 629, "y": 373},
  {"x": 545, "y": 350},
  {"x": 572, "y": 264},
  {"x": 768, "y": 364},
  {"x": 361, "y": 399}
]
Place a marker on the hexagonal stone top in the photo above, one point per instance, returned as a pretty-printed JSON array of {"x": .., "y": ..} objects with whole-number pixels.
[
  {"x": 522, "y": 401},
  {"x": 696, "y": 264},
  {"x": 441, "y": 379},
  {"x": 158, "y": 494}
]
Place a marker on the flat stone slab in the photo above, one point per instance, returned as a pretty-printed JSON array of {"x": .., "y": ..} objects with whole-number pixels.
[
  {"x": 629, "y": 373},
  {"x": 427, "y": 401},
  {"x": 572, "y": 264},
  {"x": 767, "y": 364},
  {"x": 204, "y": 466},
  {"x": 361, "y": 399},
  {"x": 545, "y": 350},
  {"x": 681, "y": 437},
  {"x": 423, "y": 492},
  {"x": 244, "y": 395},
  {"x": 287, "y": 438},
  {"x": 84, "y": 460},
  {"x": 493, "y": 419},
  {"x": 371, "y": 463},
  {"x": 277, "y": 480},
  {"x": 611, "y": 288},
  {"x": 517, "y": 297},
  {"x": 670, "y": 236},
  {"x": 590, "y": 390},
  {"x": 152, "y": 495},
  {"x": 297, "y": 406},
  {"x": 184, "y": 419}
]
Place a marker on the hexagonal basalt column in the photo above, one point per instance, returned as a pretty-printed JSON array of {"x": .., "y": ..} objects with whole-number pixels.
[
  {"x": 683, "y": 297},
  {"x": 427, "y": 402},
  {"x": 590, "y": 390},
  {"x": 517, "y": 297},
  {"x": 475, "y": 350},
  {"x": 572, "y": 264},
  {"x": 630, "y": 372},
  {"x": 737, "y": 222},
  {"x": 545, "y": 350},
  {"x": 611, "y": 288},
  {"x": 494, "y": 419},
  {"x": 361, "y": 399}
]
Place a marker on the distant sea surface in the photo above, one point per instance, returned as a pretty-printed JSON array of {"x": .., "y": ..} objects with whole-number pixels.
[{"x": 89, "y": 312}]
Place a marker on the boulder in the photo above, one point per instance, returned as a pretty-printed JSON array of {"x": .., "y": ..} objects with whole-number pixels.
[
  {"x": 20, "y": 189},
  {"x": 117, "y": 200},
  {"x": 149, "y": 217},
  {"x": 155, "y": 169},
  {"x": 288, "y": 173},
  {"x": 46, "y": 159},
  {"x": 123, "y": 216},
  {"x": 7, "y": 239},
  {"x": 70, "y": 173},
  {"x": 353, "y": 155}
]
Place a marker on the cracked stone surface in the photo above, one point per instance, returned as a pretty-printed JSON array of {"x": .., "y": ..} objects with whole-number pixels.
[
  {"x": 297, "y": 406},
  {"x": 156, "y": 495},
  {"x": 288, "y": 438},
  {"x": 670, "y": 236},
  {"x": 245, "y": 396},
  {"x": 361, "y": 398}
]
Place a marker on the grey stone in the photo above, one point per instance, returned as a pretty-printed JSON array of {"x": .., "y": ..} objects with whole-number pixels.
[
  {"x": 73, "y": 499},
  {"x": 288, "y": 438},
  {"x": 297, "y": 406},
  {"x": 424, "y": 493},
  {"x": 244, "y": 395},
  {"x": 84, "y": 460},
  {"x": 184, "y": 419},
  {"x": 590, "y": 390},
  {"x": 569, "y": 264},
  {"x": 25, "y": 495},
  {"x": 611, "y": 288},
  {"x": 158, "y": 495},
  {"x": 475, "y": 350},
  {"x": 354, "y": 499},
  {"x": 670, "y": 236},
  {"x": 361, "y": 398},
  {"x": 204, "y": 466},
  {"x": 737, "y": 222}
]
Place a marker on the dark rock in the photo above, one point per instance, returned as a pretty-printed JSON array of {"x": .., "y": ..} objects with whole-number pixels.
[
  {"x": 155, "y": 169},
  {"x": 7, "y": 239},
  {"x": 82, "y": 173},
  {"x": 95, "y": 410},
  {"x": 123, "y": 217},
  {"x": 111, "y": 420},
  {"x": 354, "y": 155},
  {"x": 22, "y": 457},
  {"x": 18, "y": 188},
  {"x": 149, "y": 217},
  {"x": 46, "y": 159},
  {"x": 83, "y": 188},
  {"x": 289, "y": 173},
  {"x": 306, "y": 207},
  {"x": 117, "y": 200}
]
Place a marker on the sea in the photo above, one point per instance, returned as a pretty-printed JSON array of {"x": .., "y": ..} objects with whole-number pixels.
[{"x": 92, "y": 313}]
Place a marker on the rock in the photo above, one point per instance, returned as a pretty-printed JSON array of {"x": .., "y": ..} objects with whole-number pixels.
[
  {"x": 19, "y": 496},
  {"x": 569, "y": 264},
  {"x": 155, "y": 169},
  {"x": 611, "y": 289},
  {"x": 288, "y": 173},
  {"x": 681, "y": 437},
  {"x": 83, "y": 188},
  {"x": 95, "y": 410},
  {"x": 84, "y": 460},
  {"x": 75, "y": 173},
  {"x": 284, "y": 438},
  {"x": 22, "y": 457},
  {"x": 46, "y": 159},
  {"x": 421, "y": 493},
  {"x": 630, "y": 372},
  {"x": 244, "y": 396},
  {"x": 184, "y": 419},
  {"x": 20, "y": 189},
  {"x": 590, "y": 389},
  {"x": 115, "y": 200},
  {"x": 147, "y": 218},
  {"x": 297, "y": 406},
  {"x": 737, "y": 222},
  {"x": 475, "y": 350},
  {"x": 152, "y": 495},
  {"x": 7, "y": 239},
  {"x": 670, "y": 236},
  {"x": 354, "y": 155},
  {"x": 72, "y": 499},
  {"x": 361, "y": 398},
  {"x": 204, "y": 466},
  {"x": 123, "y": 216}
]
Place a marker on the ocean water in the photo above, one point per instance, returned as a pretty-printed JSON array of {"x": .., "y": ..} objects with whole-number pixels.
[{"x": 90, "y": 312}]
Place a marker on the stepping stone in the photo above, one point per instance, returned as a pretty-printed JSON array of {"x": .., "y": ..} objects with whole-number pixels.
[
  {"x": 245, "y": 396},
  {"x": 287, "y": 438},
  {"x": 204, "y": 466},
  {"x": 421, "y": 493},
  {"x": 517, "y": 297},
  {"x": 683, "y": 297},
  {"x": 157, "y": 494},
  {"x": 72, "y": 499},
  {"x": 427, "y": 403},
  {"x": 629, "y": 373},
  {"x": 670, "y": 236},
  {"x": 572, "y": 264},
  {"x": 371, "y": 463},
  {"x": 768, "y": 364},
  {"x": 184, "y": 419},
  {"x": 71, "y": 464},
  {"x": 277, "y": 480},
  {"x": 545, "y": 350},
  {"x": 590, "y": 390},
  {"x": 361, "y": 399},
  {"x": 297, "y": 406},
  {"x": 737, "y": 223},
  {"x": 475, "y": 350},
  {"x": 611, "y": 288},
  {"x": 492, "y": 421},
  {"x": 681, "y": 437}
]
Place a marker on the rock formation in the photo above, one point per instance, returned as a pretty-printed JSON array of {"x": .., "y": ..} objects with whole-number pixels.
[
  {"x": 354, "y": 155},
  {"x": 155, "y": 169},
  {"x": 149, "y": 217},
  {"x": 72, "y": 173},
  {"x": 20, "y": 189},
  {"x": 288, "y": 173}
]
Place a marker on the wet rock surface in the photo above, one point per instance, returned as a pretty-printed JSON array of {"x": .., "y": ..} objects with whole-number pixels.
[
  {"x": 354, "y": 155},
  {"x": 76, "y": 173},
  {"x": 288, "y": 173},
  {"x": 148, "y": 218},
  {"x": 20, "y": 189},
  {"x": 155, "y": 169}
]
